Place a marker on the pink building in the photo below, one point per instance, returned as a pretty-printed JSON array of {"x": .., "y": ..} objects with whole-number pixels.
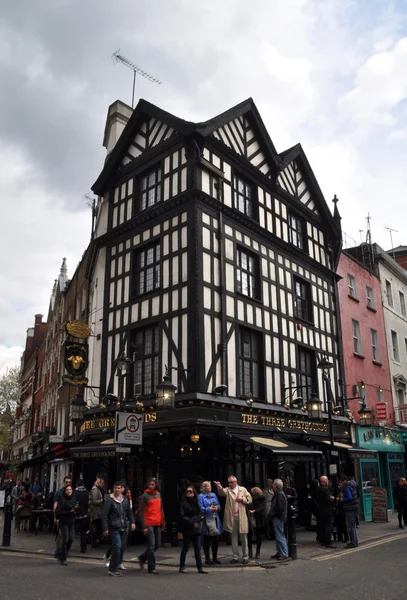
[{"x": 366, "y": 361}]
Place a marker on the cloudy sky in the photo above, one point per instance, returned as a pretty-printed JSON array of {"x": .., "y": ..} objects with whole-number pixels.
[{"x": 330, "y": 74}]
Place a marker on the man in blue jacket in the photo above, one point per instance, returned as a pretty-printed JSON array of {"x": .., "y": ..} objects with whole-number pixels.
[
  {"x": 115, "y": 519},
  {"x": 350, "y": 507}
]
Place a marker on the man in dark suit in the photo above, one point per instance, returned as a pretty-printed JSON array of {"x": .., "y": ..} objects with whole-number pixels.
[{"x": 324, "y": 501}]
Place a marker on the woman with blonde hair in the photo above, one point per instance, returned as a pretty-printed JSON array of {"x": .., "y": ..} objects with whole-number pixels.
[
  {"x": 96, "y": 501},
  {"x": 257, "y": 512},
  {"x": 212, "y": 526}
]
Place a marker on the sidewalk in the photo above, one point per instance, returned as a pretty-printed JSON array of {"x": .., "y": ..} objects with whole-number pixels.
[{"x": 306, "y": 545}]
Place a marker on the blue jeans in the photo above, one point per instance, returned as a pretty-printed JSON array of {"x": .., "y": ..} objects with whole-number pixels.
[
  {"x": 350, "y": 517},
  {"x": 67, "y": 535},
  {"x": 281, "y": 542},
  {"x": 119, "y": 539},
  {"x": 196, "y": 542},
  {"x": 153, "y": 542}
]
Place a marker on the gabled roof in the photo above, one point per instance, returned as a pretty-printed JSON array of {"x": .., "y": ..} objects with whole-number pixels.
[
  {"x": 297, "y": 154},
  {"x": 205, "y": 128}
]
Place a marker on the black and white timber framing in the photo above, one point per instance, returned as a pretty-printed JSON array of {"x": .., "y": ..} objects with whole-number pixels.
[{"x": 219, "y": 258}]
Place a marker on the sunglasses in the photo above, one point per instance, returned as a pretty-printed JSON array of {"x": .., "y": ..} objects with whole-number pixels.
[
  {"x": 190, "y": 491},
  {"x": 234, "y": 481}
]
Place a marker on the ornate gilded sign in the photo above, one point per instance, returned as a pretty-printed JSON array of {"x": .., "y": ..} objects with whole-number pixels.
[
  {"x": 77, "y": 329},
  {"x": 250, "y": 419},
  {"x": 76, "y": 363}
]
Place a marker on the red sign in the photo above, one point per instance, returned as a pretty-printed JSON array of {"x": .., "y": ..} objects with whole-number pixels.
[{"x": 381, "y": 411}]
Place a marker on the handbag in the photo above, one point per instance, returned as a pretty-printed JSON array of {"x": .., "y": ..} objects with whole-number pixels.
[{"x": 212, "y": 526}]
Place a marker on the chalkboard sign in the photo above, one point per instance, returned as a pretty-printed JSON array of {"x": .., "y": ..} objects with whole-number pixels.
[{"x": 379, "y": 505}]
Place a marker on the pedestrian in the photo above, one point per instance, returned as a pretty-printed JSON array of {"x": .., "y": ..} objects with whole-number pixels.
[
  {"x": 16, "y": 494},
  {"x": 212, "y": 526},
  {"x": 26, "y": 484},
  {"x": 57, "y": 498},
  {"x": 340, "y": 516},
  {"x": 258, "y": 515},
  {"x": 353, "y": 484},
  {"x": 65, "y": 514},
  {"x": 268, "y": 493},
  {"x": 96, "y": 500},
  {"x": 350, "y": 506},
  {"x": 324, "y": 500},
  {"x": 191, "y": 519},
  {"x": 36, "y": 487},
  {"x": 152, "y": 523},
  {"x": 82, "y": 512},
  {"x": 235, "y": 519},
  {"x": 116, "y": 517},
  {"x": 278, "y": 513},
  {"x": 125, "y": 492},
  {"x": 399, "y": 498}
]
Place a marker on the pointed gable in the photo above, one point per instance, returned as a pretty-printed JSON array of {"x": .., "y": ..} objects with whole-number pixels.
[
  {"x": 151, "y": 132},
  {"x": 292, "y": 180},
  {"x": 239, "y": 136}
]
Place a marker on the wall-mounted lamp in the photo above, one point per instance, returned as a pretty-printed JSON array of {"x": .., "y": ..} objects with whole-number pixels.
[
  {"x": 220, "y": 390},
  {"x": 195, "y": 437}
]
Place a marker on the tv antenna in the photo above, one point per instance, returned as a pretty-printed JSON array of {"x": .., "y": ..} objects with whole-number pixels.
[
  {"x": 117, "y": 57},
  {"x": 390, "y": 230}
]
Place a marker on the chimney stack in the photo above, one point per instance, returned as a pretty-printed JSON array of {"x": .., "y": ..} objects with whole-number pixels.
[{"x": 118, "y": 115}]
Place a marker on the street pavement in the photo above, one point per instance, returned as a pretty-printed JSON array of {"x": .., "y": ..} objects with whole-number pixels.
[
  {"x": 307, "y": 547},
  {"x": 375, "y": 570}
]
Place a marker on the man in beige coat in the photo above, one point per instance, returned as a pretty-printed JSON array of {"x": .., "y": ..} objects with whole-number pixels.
[{"x": 235, "y": 517}]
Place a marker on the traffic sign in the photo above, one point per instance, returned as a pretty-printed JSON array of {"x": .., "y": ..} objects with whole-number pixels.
[{"x": 128, "y": 429}]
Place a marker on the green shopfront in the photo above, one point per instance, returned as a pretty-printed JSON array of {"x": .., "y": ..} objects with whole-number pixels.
[{"x": 381, "y": 466}]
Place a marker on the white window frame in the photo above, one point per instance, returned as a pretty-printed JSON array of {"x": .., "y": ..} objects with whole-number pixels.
[
  {"x": 402, "y": 300},
  {"x": 352, "y": 286},
  {"x": 369, "y": 297},
  {"x": 389, "y": 293},
  {"x": 375, "y": 345},
  {"x": 357, "y": 340},
  {"x": 395, "y": 345}
]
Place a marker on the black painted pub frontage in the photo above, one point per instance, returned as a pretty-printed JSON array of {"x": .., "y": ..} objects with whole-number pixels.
[{"x": 203, "y": 439}]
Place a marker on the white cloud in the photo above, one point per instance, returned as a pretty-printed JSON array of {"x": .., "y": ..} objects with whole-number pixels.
[
  {"x": 327, "y": 73},
  {"x": 381, "y": 84}
]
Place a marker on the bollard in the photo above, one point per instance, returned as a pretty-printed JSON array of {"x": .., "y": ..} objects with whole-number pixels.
[
  {"x": 8, "y": 517},
  {"x": 291, "y": 533}
]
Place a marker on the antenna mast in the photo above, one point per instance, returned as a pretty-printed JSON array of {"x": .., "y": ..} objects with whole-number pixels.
[
  {"x": 117, "y": 57},
  {"x": 390, "y": 230}
]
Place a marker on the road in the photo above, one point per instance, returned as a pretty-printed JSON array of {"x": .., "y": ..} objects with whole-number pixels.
[{"x": 375, "y": 571}]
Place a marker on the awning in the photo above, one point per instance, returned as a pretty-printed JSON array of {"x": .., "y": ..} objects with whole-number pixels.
[
  {"x": 277, "y": 445},
  {"x": 362, "y": 451},
  {"x": 95, "y": 450},
  {"x": 341, "y": 445}
]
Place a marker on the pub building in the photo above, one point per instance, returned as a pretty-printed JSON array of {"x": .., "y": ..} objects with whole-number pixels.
[{"x": 212, "y": 275}]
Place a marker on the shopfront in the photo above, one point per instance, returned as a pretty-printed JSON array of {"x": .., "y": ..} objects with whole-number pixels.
[
  {"x": 382, "y": 467},
  {"x": 206, "y": 440}
]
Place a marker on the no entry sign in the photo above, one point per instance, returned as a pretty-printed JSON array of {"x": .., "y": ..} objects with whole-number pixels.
[{"x": 128, "y": 429}]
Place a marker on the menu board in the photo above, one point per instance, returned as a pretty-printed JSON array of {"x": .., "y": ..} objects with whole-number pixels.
[{"x": 379, "y": 505}]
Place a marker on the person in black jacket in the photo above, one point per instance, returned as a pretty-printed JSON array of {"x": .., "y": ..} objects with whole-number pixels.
[
  {"x": 278, "y": 513},
  {"x": 82, "y": 510},
  {"x": 191, "y": 521},
  {"x": 65, "y": 513},
  {"x": 257, "y": 511},
  {"x": 116, "y": 517},
  {"x": 400, "y": 501},
  {"x": 325, "y": 501}
]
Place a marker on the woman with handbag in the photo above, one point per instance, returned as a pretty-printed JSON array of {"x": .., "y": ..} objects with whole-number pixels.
[
  {"x": 191, "y": 525},
  {"x": 212, "y": 527},
  {"x": 257, "y": 512}
]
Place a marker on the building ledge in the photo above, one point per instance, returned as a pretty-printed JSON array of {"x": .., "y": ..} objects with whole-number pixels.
[{"x": 359, "y": 356}]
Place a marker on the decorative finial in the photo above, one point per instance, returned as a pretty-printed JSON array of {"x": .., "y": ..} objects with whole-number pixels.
[
  {"x": 64, "y": 269},
  {"x": 337, "y": 216}
]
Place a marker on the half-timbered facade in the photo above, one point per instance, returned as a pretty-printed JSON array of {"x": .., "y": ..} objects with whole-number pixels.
[{"x": 215, "y": 256}]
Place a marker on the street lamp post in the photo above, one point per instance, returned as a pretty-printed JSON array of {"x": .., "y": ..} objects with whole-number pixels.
[{"x": 325, "y": 365}]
